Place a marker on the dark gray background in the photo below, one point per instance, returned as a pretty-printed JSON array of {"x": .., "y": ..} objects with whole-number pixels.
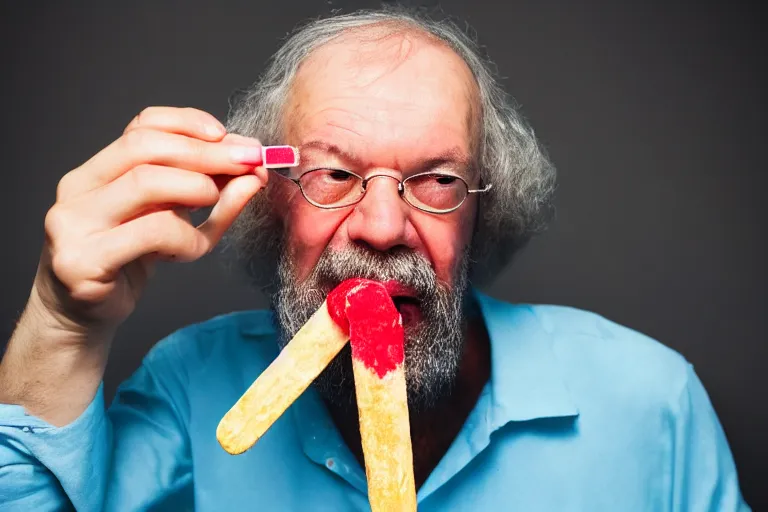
[{"x": 653, "y": 112}]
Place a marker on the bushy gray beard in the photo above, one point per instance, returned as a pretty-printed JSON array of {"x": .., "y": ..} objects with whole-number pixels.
[{"x": 433, "y": 347}]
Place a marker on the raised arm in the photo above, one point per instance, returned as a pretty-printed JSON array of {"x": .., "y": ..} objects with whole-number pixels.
[{"x": 114, "y": 216}]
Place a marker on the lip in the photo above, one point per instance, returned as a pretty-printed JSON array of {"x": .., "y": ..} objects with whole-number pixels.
[{"x": 397, "y": 289}]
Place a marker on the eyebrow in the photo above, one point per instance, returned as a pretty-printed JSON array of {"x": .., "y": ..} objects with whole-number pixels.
[
  {"x": 453, "y": 156},
  {"x": 329, "y": 148}
]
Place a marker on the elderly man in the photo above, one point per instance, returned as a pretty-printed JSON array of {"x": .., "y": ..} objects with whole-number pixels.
[{"x": 414, "y": 168}]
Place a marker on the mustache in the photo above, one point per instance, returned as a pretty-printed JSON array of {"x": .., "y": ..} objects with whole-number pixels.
[{"x": 400, "y": 264}]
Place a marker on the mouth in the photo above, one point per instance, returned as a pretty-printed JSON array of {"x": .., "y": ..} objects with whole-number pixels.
[
  {"x": 405, "y": 300},
  {"x": 409, "y": 308},
  {"x": 404, "y": 303}
]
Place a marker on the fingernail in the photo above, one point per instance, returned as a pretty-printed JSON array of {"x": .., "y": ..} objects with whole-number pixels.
[{"x": 246, "y": 154}]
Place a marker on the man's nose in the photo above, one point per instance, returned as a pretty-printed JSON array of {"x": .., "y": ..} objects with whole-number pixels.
[{"x": 381, "y": 218}]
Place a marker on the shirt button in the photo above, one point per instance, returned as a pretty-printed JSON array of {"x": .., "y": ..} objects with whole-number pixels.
[
  {"x": 330, "y": 464},
  {"x": 26, "y": 429}
]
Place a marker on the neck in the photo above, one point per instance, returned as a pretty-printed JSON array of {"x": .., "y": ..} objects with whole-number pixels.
[{"x": 433, "y": 430}]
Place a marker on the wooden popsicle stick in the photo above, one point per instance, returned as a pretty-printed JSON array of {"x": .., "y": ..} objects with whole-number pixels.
[
  {"x": 378, "y": 355},
  {"x": 385, "y": 433},
  {"x": 287, "y": 377}
]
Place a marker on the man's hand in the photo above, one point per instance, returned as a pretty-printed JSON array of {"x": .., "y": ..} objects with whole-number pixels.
[
  {"x": 128, "y": 205},
  {"x": 113, "y": 217}
]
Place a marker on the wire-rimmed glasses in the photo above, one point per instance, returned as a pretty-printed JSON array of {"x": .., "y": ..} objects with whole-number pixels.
[{"x": 432, "y": 192}]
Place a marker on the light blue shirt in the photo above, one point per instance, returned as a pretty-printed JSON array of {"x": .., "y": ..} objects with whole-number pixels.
[{"x": 580, "y": 414}]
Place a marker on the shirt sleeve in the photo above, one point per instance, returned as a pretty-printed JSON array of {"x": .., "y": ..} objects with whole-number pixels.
[
  {"x": 704, "y": 473},
  {"x": 134, "y": 456},
  {"x": 47, "y": 468}
]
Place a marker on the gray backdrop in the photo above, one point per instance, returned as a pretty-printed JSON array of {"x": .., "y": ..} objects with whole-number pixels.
[{"x": 653, "y": 112}]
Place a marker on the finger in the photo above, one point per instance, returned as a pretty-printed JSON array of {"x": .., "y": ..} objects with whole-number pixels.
[
  {"x": 232, "y": 199},
  {"x": 149, "y": 187},
  {"x": 139, "y": 271},
  {"x": 90, "y": 267},
  {"x": 221, "y": 180},
  {"x": 184, "y": 121},
  {"x": 144, "y": 146},
  {"x": 167, "y": 233},
  {"x": 236, "y": 138}
]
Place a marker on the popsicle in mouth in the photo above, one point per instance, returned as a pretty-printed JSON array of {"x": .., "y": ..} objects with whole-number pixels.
[
  {"x": 362, "y": 312},
  {"x": 365, "y": 310}
]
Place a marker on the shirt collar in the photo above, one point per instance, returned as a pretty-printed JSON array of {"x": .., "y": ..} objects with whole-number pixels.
[{"x": 526, "y": 381}]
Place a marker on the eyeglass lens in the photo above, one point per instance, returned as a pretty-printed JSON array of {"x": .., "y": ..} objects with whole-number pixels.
[
  {"x": 438, "y": 192},
  {"x": 331, "y": 187},
  {"x": 336, "y": 188}
]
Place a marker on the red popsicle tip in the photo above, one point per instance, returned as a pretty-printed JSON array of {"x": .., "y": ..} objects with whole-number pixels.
[
  {"x": 337, "y": 302},
  {"x": 280, "y": 156},
  {"x": 364, "y": 310}
]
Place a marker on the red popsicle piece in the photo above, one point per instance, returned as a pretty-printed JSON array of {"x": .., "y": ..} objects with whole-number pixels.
[
  {"x": 364, "y": 309},
  {"x": 280, "y": 156}
]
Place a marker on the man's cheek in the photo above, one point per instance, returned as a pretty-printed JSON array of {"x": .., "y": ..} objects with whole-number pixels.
[
  {"x": 445, "y": 243},
  {"x": 446, "y": 266},
  {"x": 309, "y": 233}
]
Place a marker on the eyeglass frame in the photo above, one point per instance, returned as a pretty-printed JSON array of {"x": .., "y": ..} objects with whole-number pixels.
[{"x": 364, "y": 183}]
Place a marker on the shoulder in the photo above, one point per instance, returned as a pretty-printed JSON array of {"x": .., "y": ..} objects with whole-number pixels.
[
  {"x": 613, "y": 360},
  {"x": 602, "y": 361},
  {"x": 593, "y": 333}
]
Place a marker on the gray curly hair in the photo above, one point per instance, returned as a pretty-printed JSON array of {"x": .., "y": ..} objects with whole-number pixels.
[{"x": 518, "y": 206}]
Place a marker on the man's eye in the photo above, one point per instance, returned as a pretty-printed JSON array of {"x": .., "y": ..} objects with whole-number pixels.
[
  {"x": 445, "y": 180},
  {"x": 339, "y": 175}
]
